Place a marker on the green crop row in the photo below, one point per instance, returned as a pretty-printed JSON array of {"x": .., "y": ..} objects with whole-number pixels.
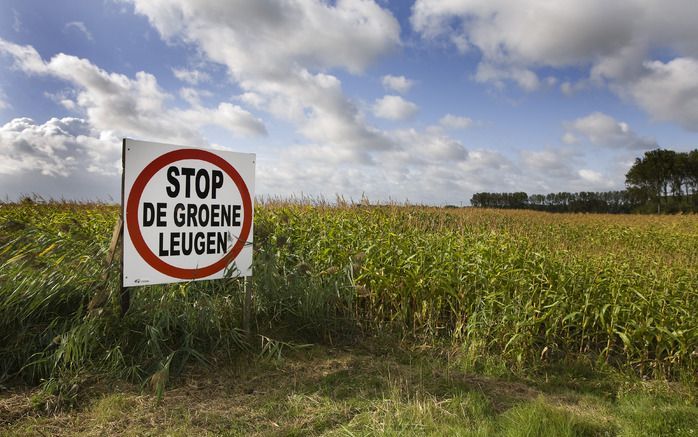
[{"x": 529, "y": 288}]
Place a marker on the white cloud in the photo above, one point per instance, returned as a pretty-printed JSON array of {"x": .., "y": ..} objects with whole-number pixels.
[
  {"x": 429, "y": 147},
  {"x": 603, "y": 130},
  {"x": 59, "y": 147},
  {"x": 613, "y": 41},
  {"x": 132, "y": 107},
  {"x": 450, "y": 121},
  {"x": 226, "y": 115},
  {"x": 265, "y": 37},
  {"x": 253, "y": 99},
  {"x": 61, "y": 158},
  {"x": 399, "y": 84},
  {"x": 427, "y": 168},
  {"x": 323, "y": 154},
  {"x": 280, "y": 54},
  {"x": 423, "y": 166},
  {"x": 323, "y": 114},
  {"x": 25, "y": 58},
  {"x": 285, "y": 60},
  {"x": 65, "y": 98},
  {"x": 394, "y": 108},
  {"x": 80, "y": 27},
  {"x": 193, "y": 77},
  {"x": 502, "y": 30},
  {"x": 550, "y": 163},
  {"x": 590, "y": 176},
  {"x": 68, "y": 157},
  {"x": 563, "y": 169},
  {"x": 669, "y": 91}
]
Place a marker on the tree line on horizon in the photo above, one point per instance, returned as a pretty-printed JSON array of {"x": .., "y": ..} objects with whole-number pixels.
[{"x": 661, "y": 181}]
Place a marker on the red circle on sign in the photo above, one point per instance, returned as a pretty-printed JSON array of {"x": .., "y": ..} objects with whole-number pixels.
[{"x": 134, "y": 199}]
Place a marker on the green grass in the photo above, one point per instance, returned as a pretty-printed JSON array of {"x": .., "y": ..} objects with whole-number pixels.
[{"x": 326, "y": 391}]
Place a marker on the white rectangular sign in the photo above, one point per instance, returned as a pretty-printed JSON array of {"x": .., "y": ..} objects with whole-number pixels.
[{"x": 188, "y": 213}]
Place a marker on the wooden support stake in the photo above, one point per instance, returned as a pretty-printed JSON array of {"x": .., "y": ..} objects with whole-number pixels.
[
  {"x": 124, "y": 292},
  {"x": 102, "y": 295},
  {"x": 115, "y": 239}
]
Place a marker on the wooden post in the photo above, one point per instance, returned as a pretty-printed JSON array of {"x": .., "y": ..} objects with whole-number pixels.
[
  {"x": 102, "y": 296},
  {"x": 117, "y": 237},
  {"x": 115, "y": 247}
]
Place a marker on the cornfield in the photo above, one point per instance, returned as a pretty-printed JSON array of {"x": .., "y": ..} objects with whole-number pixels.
[{"x": 531, "y": 289}]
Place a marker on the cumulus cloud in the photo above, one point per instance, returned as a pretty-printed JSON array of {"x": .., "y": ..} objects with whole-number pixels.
[
  {"x": 279, "y": 55},
  {"x": 264, "y": 37},
  {"x": 613, "y": 41},
  {"x": 399, "y": 84},
  {"x": 669, "y": 91},
  {"x": 59, "y": 147},
  {"x": 79, "y": 157},
  {"x": 430, "y": 166},
  {"x": 288, "y": 73},
  {"x": 425, "y": 165},
  {"x": 502, "y": 30},
  {"x": 253, "y": 99},
  {"x": 394, "y": 108},
  {"x": 417, "y": 172},
  {"x": 61, "y": 158},
  {"x": 25, "y": 57},
  {"x": 603, "y": 130},
  {"x": 131, "y": 106},
  {"x": 284, "y": 59}
]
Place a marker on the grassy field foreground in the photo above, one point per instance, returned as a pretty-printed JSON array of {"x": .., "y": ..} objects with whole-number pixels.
[
  {"x": 364, "y": 391},
  {"x": 488, "y": 323}
]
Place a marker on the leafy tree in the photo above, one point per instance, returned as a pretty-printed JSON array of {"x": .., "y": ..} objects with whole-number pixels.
[
  {"x": 660, "y": 172},
  {"x": 660, "y": 180}
]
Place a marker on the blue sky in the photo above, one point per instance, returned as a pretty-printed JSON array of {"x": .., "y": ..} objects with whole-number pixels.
[{"x": 426, "y": 101}]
